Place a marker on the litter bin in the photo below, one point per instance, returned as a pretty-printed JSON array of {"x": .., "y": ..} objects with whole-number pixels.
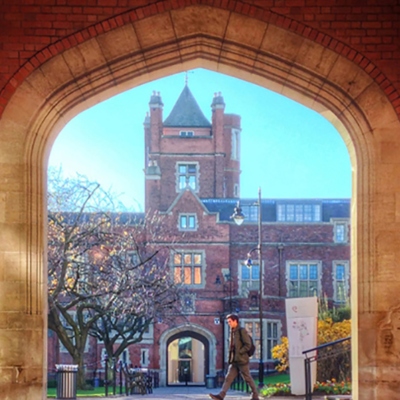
[
  {"x": 66, "y": 381},
  {"x": 210, "y": 382}
]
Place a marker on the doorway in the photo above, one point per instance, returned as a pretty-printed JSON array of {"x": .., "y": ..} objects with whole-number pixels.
[{"x": 187, "y": 356}]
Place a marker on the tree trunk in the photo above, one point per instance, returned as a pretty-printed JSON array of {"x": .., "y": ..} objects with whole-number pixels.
[{"x": 81, "y": 378}]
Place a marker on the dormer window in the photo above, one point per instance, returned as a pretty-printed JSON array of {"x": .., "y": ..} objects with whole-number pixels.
[
  {"x": 186, "y": 133},
  {"x": 299, "y": 212}
]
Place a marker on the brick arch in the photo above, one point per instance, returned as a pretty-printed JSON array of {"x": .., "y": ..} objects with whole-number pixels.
[
  {"x": 159, "y": 44},
  {"x": 252, "y": 11}
]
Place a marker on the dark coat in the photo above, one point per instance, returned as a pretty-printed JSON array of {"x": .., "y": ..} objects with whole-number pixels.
[{"x": 241, "y": 345}]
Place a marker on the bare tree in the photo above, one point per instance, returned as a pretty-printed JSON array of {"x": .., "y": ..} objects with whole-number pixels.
[
  {"x": 104, "y": 276},
  {"x": 149, "y": 290}
]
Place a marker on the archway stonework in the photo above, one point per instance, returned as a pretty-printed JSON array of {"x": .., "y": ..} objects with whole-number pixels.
[
  {"x": 260, "y": 52},
  {"x": 186, "y": 328}
]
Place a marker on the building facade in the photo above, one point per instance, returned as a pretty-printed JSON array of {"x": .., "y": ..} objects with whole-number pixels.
[{"x": 192, "y": 180}]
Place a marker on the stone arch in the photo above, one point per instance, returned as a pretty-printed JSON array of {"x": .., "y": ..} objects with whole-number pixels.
[
  {"x": 192, "y": 330},
  {"x": 142, "y": 49}
]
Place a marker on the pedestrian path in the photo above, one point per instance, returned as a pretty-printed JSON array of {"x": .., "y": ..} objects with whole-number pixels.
[{"x": 191, "y": 392}]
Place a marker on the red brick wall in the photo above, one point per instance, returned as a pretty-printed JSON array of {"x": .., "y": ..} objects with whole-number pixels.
[
  {"x": 312, "y": 242},
  {"x": 367, "y": 32}
]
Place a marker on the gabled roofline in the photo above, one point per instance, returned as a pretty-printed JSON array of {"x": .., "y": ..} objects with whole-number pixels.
[{"x": 180, "y": 194}]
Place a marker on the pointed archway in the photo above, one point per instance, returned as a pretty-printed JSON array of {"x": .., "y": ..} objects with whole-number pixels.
[
  {"x": 189, "y": 364},
  {"x": 207, "y": 350},
  {"x": 138, "y": 50}
]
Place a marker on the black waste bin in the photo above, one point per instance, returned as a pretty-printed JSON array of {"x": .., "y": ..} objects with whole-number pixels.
[
  {"x": 66, "y": 381},
  {"x": 210, "y": 382}
]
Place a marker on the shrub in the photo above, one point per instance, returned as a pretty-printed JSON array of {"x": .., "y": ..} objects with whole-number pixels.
[
  {"x": 275, "y": 389},
  {"x": 280, "y": 352},
  {"x": 331, "y": 327}
]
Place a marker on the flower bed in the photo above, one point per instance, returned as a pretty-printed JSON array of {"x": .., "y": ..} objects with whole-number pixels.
[
  {"x": 323, "y": 388},
  {"x": 333, "y": 387},
  {"x": 277, "y": 389}
]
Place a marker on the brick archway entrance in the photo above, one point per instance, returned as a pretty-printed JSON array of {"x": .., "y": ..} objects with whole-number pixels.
[
  {"x": 119, "y": 56},
  {"x": 184, "y": 367},
  {"x": 202, "y": 335}
]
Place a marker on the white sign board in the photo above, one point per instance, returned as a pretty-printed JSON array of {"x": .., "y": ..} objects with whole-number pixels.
[{"x": 301, "y": 318}]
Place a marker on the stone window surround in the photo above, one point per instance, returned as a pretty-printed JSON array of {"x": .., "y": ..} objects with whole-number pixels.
[
  {"x": 177, "y": 175},
  {"x": 188, "y": 216},
  {"x": 346, "y": 280},
  {"x": 340, "y": 222},
  {"x": 235, "y": 144},
  {"x": 243, "y": 322},
  {"x": 203, "y": 266},
  {"x": 308, "y": 263}
]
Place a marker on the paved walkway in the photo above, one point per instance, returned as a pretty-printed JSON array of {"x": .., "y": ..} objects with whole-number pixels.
[{"x": 188, "y": 392}]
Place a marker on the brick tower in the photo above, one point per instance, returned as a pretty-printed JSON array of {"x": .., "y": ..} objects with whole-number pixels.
[{"x": 186, "y": 151}]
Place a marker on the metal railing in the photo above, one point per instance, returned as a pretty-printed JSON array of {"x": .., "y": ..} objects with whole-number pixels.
[
  {"x": 109, "y": 375},
  {"x": 240, "y": 385},
  {"x": 324, "y": 352}
]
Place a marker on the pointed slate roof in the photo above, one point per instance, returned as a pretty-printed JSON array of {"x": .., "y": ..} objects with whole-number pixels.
[{"x": 186, "y": 112}]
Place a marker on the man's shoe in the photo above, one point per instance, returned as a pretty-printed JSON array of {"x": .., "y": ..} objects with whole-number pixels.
[{"x": 216, "y": 397}]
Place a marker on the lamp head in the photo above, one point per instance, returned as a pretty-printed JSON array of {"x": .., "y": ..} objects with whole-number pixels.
[
  {"x": 237, "y": 215},
  {"x": 249, "y": 262}
]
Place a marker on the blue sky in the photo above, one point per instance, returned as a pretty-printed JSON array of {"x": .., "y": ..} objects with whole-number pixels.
[{"x": 287, "y": 149}]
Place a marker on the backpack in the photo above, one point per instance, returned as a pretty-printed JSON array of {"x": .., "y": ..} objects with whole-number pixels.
[{"x": 252, "y": 349}]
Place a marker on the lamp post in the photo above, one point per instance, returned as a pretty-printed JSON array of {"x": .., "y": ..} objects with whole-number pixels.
[
  {"x": 238, "y": 217},
  {"x": 227, "y": 277}
]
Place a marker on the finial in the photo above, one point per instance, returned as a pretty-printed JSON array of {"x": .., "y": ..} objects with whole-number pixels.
[{"x": 187, "y": 76}]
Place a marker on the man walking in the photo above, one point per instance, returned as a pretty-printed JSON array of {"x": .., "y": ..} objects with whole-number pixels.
[{"x": 240, "y": 344}]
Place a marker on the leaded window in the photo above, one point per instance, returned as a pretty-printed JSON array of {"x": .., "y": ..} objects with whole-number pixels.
[
  {"x": 188, "y": 267},
  {"x": 299, "y": 212},
  {"x": 340, "y": 281},
  {"x": 250, "y": 276},
  {"x": 187, "y": 176},
  {"x": 303, "y": 279},
  {"x": 187, "y": 222}
]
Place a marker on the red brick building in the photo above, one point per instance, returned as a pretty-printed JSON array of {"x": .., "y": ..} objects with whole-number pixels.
[
  {"x": 340, "y": 59},
  {"x": 192, "y": 178}
]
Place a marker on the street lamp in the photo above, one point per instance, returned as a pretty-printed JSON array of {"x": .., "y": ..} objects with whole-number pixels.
[{"x": 238, "y": 217}]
